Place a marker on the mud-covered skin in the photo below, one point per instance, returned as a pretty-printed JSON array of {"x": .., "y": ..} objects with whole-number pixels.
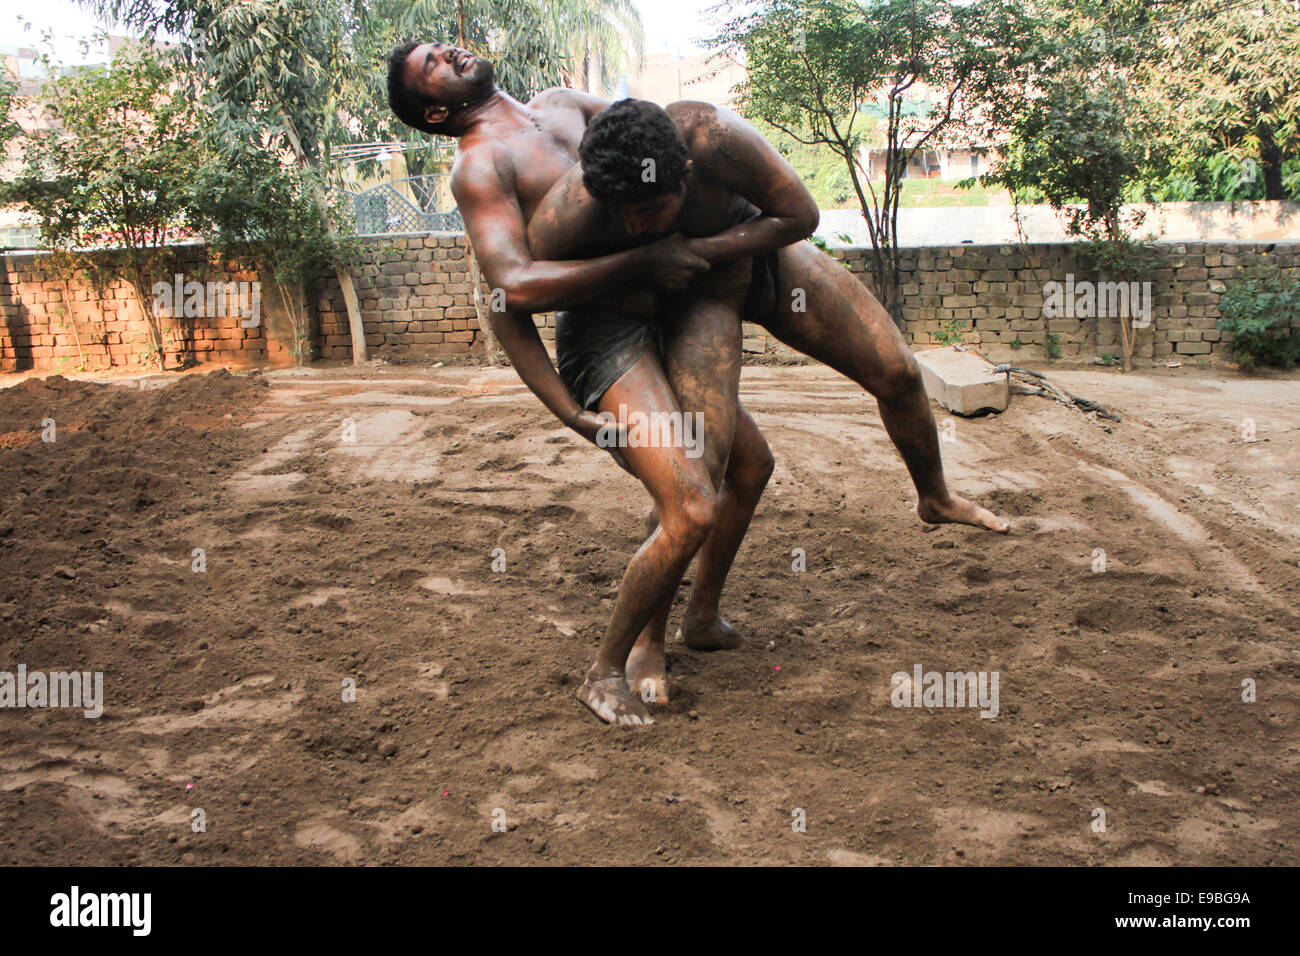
[
  {"x": 701, "y": 366},
  {"x": 503, "y": 144},
  {"x": 843, "y": 326},
  {"x": 847, "y": 329},
  {"x": 613, "y": 701},
  {"x": 509, "y": 154},
  {"x": 576, "y": 252},
  {"x": 732, "y": 168},
  {"x": 839, "y": 322}
]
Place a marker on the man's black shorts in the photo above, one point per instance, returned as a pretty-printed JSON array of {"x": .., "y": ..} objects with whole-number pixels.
[{"x": 596, "y": 345}]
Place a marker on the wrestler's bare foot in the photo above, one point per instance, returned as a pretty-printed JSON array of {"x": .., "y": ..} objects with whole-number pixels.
[
  {"x": 611, "y": 700},
  {"x": 957, "y": 510},
  {"x": 647, "y": 673},
  {"x": 712, "y": 635}
]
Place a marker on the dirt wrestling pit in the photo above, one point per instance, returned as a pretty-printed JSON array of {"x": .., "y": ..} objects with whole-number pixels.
[{"x": 231, "y": 551}]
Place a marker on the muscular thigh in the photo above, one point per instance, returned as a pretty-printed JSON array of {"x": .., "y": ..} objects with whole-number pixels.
[
  {"x": 667, "y": 470},
  {"x": 702, "y": 341},
  {"x": 842, "y": 324}
]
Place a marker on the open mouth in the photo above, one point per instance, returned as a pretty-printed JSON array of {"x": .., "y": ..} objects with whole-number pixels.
[{"x": 462, "y": 61}]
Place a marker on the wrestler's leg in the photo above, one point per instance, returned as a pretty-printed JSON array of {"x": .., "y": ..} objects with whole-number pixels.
[
  {"x": 702, "y": 363},
  {"x": 684, "y": 495},
  {"x": 647, "y": 668},
  {"x": 748, "y": 470},
  {"x": 845, "y": 328}
]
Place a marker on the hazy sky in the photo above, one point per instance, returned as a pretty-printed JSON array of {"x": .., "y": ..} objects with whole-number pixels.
[
  {"x": 669, "y": 24},
  {"x": 675, "y": 23},
  {"x": 64, "y": 17}
]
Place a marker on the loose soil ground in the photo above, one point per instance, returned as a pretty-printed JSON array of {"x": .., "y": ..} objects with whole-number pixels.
[{"x": 371, "y": 560}]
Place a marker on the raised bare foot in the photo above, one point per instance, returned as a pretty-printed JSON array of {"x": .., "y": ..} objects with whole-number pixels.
[
  {"x": 714, "y": 635},
  {"x": 646, "y": 673},
  {"x": 957, "y": 510},
  {"x": 612, "y": 701}
]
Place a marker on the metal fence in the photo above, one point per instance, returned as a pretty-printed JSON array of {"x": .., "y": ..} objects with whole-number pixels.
[{"x": 415, "y": 204}]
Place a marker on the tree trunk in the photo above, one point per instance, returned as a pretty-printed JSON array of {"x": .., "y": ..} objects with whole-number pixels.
[
  {"x": 491, "y": 349},
  {"x": 1126, "y": 334},
  {"x": 294, "y": 296},
  {"x": 1270, "y": 164},
  {"x": 356, "y": 329},
  {"x": 151, "y": 320},
  {"x": 72, "y": 319},
  {"x": 888, "y": 252}
]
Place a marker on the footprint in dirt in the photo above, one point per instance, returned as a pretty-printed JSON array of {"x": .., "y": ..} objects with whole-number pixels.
[{"x": 319, "y": 834}]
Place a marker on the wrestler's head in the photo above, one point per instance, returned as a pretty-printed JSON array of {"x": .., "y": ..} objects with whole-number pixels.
[
  {"x": 635, "y": 162},
  {"x": 429, "y": 83}
]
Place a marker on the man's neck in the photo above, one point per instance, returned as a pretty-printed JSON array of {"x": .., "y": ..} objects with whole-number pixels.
[{"x": 497, "y": 108}]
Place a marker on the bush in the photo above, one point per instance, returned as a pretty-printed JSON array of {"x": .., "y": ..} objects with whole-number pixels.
[{"x": 1260, "y": 311}]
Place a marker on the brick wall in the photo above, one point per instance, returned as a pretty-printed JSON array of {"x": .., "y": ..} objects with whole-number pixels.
[
  {"x": 996, "y": 295},
  {"x": 49, "y": 324},
  {"x": 416, "y": 298},
  {"x": 414, "y": 292}
]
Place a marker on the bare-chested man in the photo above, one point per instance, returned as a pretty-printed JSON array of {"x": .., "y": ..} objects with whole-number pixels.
[{"x": 745, "y": 202}]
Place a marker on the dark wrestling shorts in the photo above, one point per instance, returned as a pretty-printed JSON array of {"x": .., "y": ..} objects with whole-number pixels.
[{"x": 595, "y": 346}]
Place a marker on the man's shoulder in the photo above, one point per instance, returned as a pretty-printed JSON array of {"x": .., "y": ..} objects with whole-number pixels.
[
  {"x": 479, "y": 163},
  {"x": 553, "y": 94},
  {"x": 692, "y": 111},
  {"x": 566, "y": 98},
  {"x": 704, "y": 126},
  {"x": 698, "y": 121}
]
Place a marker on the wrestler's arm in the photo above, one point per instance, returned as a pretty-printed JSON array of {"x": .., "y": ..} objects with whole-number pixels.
[
  {"x": 486, "y": 222},
  {"x": 588, "y": 103},
  {"x": 495, "y": 224},
  {"x": 517, "y": 336},
  {"x": 729, "y": 151}
]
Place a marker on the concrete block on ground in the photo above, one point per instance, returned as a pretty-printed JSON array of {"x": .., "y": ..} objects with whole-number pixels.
[{"x": 963, "y": 382}]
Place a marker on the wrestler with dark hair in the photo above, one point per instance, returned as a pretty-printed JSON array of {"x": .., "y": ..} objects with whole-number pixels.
[{"x": 654, "y": 263}]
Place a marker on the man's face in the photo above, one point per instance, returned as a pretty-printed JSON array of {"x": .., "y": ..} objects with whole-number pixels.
[
  {"x": 449, "y": 75},
  {"x": 653, "y": 218}
]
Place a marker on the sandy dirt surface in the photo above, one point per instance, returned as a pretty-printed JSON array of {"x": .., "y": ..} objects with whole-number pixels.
[{"x": 370, "y": 560}]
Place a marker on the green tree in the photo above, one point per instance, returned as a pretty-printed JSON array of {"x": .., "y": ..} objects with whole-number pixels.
[
  {"x": 9, "y": 128},
  {"x": 1226, "y": 83},
  {"x": 1261, "y": 311},
  {"x": 1083, "y": 135},
  {"x": 1078, "y": 147},
  {"x": 1193, "y": 100},
  {"x": 267, "y": 75},
  {"x": 822, "y": 71},
  {"x": 112, "y": 167},
  {"x": 255, "y": 209}
]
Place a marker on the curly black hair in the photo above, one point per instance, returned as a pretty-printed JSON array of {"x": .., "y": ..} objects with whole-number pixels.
[
  {"x": 617, "y": 144},
  {"x": 407, "y": 102}
]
